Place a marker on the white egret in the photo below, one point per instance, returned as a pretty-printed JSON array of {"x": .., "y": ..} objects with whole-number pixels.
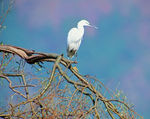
[{"x": 75, "y": 36}]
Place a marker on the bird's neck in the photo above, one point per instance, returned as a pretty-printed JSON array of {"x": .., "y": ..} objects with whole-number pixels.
[{"x": 81, "y": 29}]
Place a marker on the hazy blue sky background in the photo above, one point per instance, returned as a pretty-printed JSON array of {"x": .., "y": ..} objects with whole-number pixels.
[{"x": 118, "y": 53}]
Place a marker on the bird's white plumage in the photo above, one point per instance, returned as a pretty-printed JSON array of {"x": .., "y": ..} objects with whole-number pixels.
[
  {"x": 75, "y": 36},
  {"x": 74, "y": 39}
]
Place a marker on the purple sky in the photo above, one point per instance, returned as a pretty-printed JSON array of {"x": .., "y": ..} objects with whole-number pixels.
[{"x": 55, "y": 13}]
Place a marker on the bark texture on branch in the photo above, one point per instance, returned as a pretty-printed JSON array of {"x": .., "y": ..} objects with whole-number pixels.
[
  {"x": 31, "y": 56},
  {"x": 81, "y": 86}
]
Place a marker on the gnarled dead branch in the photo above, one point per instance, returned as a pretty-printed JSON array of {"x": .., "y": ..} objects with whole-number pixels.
[{"x": 65, "y": 94}]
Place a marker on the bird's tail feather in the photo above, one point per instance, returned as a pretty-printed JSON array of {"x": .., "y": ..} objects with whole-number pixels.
[{"x": 71, "y": 52}]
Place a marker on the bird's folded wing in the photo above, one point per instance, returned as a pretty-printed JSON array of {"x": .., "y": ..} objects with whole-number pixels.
[{"x": 73, "y": 36}]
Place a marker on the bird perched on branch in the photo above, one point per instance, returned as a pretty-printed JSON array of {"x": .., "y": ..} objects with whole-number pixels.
[{"x": 75, "y": 36}]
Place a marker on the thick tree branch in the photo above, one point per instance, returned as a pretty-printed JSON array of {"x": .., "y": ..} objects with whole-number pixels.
[{"x": 82, "y": 86}]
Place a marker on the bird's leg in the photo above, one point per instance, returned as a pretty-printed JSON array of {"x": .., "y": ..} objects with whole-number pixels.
[{"x": 76, "y": 56}]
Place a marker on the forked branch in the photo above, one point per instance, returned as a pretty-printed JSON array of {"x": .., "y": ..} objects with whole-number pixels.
[{"x": 82, "y": 86}]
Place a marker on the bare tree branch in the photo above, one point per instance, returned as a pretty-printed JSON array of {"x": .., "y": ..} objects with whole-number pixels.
[{"x": 62, "y": 96}]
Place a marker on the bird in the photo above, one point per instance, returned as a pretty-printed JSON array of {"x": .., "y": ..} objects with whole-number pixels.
[{"x": 75, "y": 36}]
